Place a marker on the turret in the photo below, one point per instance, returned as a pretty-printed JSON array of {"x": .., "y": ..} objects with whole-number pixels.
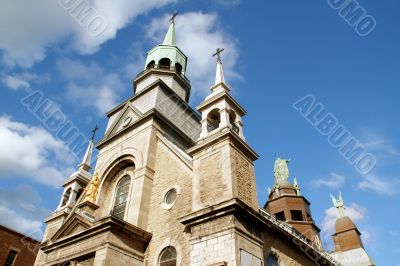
[
  {"x": 286, "y": 203},
  {"x": 168, "y": 63},
  {"x": 349, "y": 249}
]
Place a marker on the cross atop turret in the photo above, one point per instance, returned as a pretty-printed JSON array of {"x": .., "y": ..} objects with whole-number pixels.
[
  {"x": 218, "y": 54},
  {"x": 172, "y": 19},
  {"x": 94, "y": 131}
]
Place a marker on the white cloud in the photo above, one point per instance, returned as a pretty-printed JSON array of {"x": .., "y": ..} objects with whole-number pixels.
[
  {"x": 198, "y": 36},
  {"x": 31, "y": 152},
  {"x": 380, "y": 145},
  {"x": 15, "y": 83},
  {"x": 23, "y": 80},
  {"x": 335, "y": 181},
  {"x": 380, "y": 185},
  {"x": 29, "y": 28},
  {"x": 14, "y": 220},
  {"x": 90, "y": 86},
  {"x": 355, "y": 212}
]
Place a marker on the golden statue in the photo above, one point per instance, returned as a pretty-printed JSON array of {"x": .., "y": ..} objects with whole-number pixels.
[{"x": 92, "y": 188}]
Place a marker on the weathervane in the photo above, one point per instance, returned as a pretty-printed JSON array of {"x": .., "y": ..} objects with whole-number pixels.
[
  {"x": 172, "y": 19},
  {"x": 218, "y": 54},
  {"x": 94, "y": 132}
]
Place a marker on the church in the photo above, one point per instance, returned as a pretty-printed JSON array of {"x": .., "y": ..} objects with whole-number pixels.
[{"x": 176, "y": 186}]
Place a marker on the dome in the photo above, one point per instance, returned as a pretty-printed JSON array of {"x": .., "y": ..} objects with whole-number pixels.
[{"x": 344, "y": 224}]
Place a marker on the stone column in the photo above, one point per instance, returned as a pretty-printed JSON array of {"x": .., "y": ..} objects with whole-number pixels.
[
  {"x": 139, "y": 201},
  {"x": 224, "y": 118}
]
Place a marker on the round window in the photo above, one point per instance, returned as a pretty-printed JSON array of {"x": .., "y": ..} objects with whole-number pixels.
[{"x": 170, "y": 197}]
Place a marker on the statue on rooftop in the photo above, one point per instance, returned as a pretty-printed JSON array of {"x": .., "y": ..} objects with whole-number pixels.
[
  {"x": 339, "y": 204},
  {"x": 281, "y": 171},
  {"x": 91, "y": 189}
]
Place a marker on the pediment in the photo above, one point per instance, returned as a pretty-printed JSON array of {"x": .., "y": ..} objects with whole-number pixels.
[
  {"x": 126, "y": 117},
  {"x": 74, "y": 225}
]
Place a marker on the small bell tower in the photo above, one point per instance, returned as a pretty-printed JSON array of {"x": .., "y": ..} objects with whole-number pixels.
[
  {"x": 222, "y": 160},
  {"x": 219, "y": 110},
  {"x": 74, "y": 185},
  {"x": 73, "y": 188}
]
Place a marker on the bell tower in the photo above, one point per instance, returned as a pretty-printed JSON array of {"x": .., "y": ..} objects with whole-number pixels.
[
  {"x": 223, "y": 161},
  {"x": 349, "y": 248},
  {"x": 223, "y": 181},
  {"x": 287, "y": 204},
  {"x": 166, "y": 62}
]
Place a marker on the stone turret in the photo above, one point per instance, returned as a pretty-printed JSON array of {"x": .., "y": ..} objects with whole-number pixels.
[{"x": 349, "y": 249}]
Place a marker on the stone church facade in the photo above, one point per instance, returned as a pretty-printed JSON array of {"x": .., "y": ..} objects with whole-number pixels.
[{"x": 175, "y": 186}]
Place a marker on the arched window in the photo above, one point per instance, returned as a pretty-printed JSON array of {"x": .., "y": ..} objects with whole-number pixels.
[
  {"x": 213, "y": 120},
  {"x": 178, "y": 68},
  {"x": 66, "y": 196},
  {"x": 164, "y": 63},
  {"x": 167, "y": 257},
  {"x": 151, "y": 64},
  {"x": 80, "y": 191},
  {"x": 271, "y": 261},
  {"x": 121, "y": 196},
  {"x": 232, "y": 120}
]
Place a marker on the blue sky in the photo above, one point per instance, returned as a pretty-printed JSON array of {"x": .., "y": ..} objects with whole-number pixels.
[{"x": 276, "y": 53}]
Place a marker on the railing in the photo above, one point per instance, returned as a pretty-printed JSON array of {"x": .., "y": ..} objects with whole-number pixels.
[
  {"x": 211, "y": 127},
  {"x": 180, "y": 73},
  {"x": 235, "y": 128},
  {"x": 291, "y": 230}
]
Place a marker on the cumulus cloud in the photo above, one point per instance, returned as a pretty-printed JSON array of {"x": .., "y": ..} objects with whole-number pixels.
[
  {"x": 355, "y": 212},
  {"x": 198, "y": 36},
  {"x": 334, "y": 181},
  {"x": 29, "y": 28},
  {"x": 31, "y": 152},
  {"x": 20, "y": 210},
  {"x": 15, "y": 83},
  {"x": 14, "y": 220},
  {"x": 90, "y": 86},
  {"x": 23, "y": 80}
]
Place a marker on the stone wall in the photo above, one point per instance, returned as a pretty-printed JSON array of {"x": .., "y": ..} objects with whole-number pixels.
[
  {"x": 163, "y": 224},
  {"x": 286, "y": 250}
]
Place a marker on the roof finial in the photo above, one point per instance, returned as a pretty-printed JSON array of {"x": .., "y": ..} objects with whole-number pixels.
[
  {"x": 339, "y": 204},
  {"x": 94, "y": 132},
  {"x": 219, "y": 74},
  {"x": 85, "y": 164},
  {"x": 170, "y": 38},
  {"x": 172, "y": 19},
  {"x": 218, "y": 54}
]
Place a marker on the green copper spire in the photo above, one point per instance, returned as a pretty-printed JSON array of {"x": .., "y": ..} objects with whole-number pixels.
[
  {"x": 170, "y": 38},
  {"x": 167, "y": 55}
]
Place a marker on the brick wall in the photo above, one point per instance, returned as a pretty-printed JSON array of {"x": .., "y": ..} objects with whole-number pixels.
[{"x": 27, "y": 248}]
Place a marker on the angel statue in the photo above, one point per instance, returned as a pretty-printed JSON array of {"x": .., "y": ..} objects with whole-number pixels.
[
  {"x": 281, "y": 171},
  {"x": 91, "y": 189},
  {"x": 339, "y": 204}
]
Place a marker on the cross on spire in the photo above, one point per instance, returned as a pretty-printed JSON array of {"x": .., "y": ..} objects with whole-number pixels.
[
  {"x": 218, "y": 54},
  {"x": 94, "y": 131},
  {"x": 172, "y": 19}
]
